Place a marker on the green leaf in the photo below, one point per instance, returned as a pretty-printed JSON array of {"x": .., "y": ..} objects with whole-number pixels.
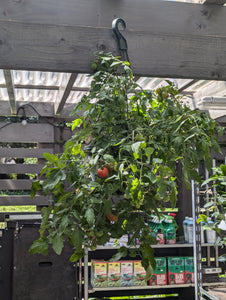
[
  {"x": 36, "y": 186},
  {"x": 64, "y": 224},
  {"x": 107, "y": 207},
  {"x": 50, "y": 157},
  {"x": 149, "y": 151},
  {"x": 149, "y": 272},
  {"x": 77, "y": 238},
  {"x": 157, "y": 160},
  {"x": 45, "y": 218},
  {"x": 173, "y": 197},
  {"x": 39, "y": 246},
  {"x": 220, "y": 130},
  {"x": 137, "y": 146},
  {"x": 77, "y": 255},
  {"x": 223, "y": 169},
  {"x": 122, "y": 252},
  {"x": 76, "y": 123},
  {"x": 203, "y": 218},
  {"x": 90, "y": 216},
  {"x": 56, "y": 176},
  {"x": 109, "y": 158},
  {"x": 133, "y": 168},
  {"x": 76, "y": 149},
  {"x": 209, "y": 204},
  {"x": 57, "y": 244}
]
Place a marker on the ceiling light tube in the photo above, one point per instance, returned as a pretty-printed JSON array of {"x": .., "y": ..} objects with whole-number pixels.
[{"x": 212, "y": 103}]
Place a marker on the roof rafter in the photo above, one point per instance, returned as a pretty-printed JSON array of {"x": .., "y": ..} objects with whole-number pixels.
[
  {"x": 187, "y": 85},
  {"x": 10, "y": 89},
  {"x": 64, "y": 92},
  {"x": 46, "y": 87}
]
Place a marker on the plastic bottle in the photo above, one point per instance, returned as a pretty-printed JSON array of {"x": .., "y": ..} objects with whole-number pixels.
[
  {"x": 185, "y": 229},
  {"x": 170, "y": 231},
  {"x": 210, "y": 233},
  {"x": 159, "y": 230},
  {"x": 190, "y": 230},
  {"x": 172, "y": 217},
  {"x": 202, "y": 232}
]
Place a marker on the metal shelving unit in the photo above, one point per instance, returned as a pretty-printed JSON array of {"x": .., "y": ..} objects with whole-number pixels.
[
  {"x": 197, "y": 247},
  {"x": 88, "y": 289}
]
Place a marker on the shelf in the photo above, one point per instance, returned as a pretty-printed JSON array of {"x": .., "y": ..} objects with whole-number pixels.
[
  {"x": 153, "y": 246},
  {"x": 149, "y": 287},
  {"x": 144, "y": 287}
]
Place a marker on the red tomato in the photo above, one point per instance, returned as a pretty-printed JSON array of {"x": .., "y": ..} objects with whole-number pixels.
[
  {"x": 103, "y": 173},
  {"x": 112, "y": 217}
]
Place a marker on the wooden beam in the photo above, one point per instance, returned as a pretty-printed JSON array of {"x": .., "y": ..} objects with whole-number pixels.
[
  {"x": 193, "y": 45},
  {"x": 10, "y": 89},
  {"x": 64, "y": 93},
  {"x": 217, "y": 2}
]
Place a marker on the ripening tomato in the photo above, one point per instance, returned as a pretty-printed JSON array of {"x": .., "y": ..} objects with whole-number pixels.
[
  {"x": 110, "y": 166},
  {"x": 103, "y": 173},
  {"x": 112, "y": 217}
]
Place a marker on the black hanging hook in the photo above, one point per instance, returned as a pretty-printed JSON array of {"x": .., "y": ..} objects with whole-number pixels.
[{"x": 122, "y": 43}]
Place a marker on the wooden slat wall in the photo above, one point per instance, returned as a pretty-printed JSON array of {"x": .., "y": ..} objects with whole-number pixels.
[
  {"x": 21, "y": 168},
  {"x": 24, "y": 152},
  {"x": 23, "y": 200},
  {"x": 42, "y": 135},
  {"x": 31, "y": 133}
]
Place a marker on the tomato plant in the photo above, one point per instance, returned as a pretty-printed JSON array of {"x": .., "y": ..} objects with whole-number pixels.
[{"x": 145, "y": 135}]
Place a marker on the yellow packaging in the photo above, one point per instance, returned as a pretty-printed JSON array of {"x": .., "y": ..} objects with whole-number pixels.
[
  {"x": 139, "y": 273},
  {"x": 99, "y": 273},
  {"x": 114, "y": 274}
]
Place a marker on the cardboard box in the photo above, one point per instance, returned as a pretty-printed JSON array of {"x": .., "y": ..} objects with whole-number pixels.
[
  {"x": 114, "y": 274},
  {"x": 189, "y": 269},
  {"x": 176, "y": 270},
  {"x": 139, "y": 274},
  {"x": 159, "y": 276},
  {"x": 127, "y": 273},
  {"x": 98, "y": 273}
]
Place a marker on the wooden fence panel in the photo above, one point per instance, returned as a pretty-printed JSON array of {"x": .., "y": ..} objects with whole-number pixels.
[
  {"x": 24, "y": 152},
  {"x": 15, "y": 184},
  {"x": 31, "y": 133},
  {"x": 21, "y": 168},
  {"x": 23, "y": 200}
]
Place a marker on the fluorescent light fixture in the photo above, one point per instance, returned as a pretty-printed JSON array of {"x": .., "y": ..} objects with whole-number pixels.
[{"x": 214, "y": 103}]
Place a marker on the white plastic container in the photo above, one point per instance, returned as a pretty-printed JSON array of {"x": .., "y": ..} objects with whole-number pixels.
[
  {"x": 202, "y": 232},
  {"x": 185, "y": 224},
  {"x": 210, "y": 233},
  {"x": 190, "y": 230}
]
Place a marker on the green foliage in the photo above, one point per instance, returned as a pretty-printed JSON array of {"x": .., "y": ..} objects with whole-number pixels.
[
  {"x": 141, "y": 137},
  {"x": 216, "y": 207}
]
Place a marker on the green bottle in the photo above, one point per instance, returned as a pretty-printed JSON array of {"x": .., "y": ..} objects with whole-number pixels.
[{"x": 170, "y": 231}]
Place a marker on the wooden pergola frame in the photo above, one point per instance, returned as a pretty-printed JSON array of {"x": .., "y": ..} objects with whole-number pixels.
[{"x": 165, "y": 38}]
